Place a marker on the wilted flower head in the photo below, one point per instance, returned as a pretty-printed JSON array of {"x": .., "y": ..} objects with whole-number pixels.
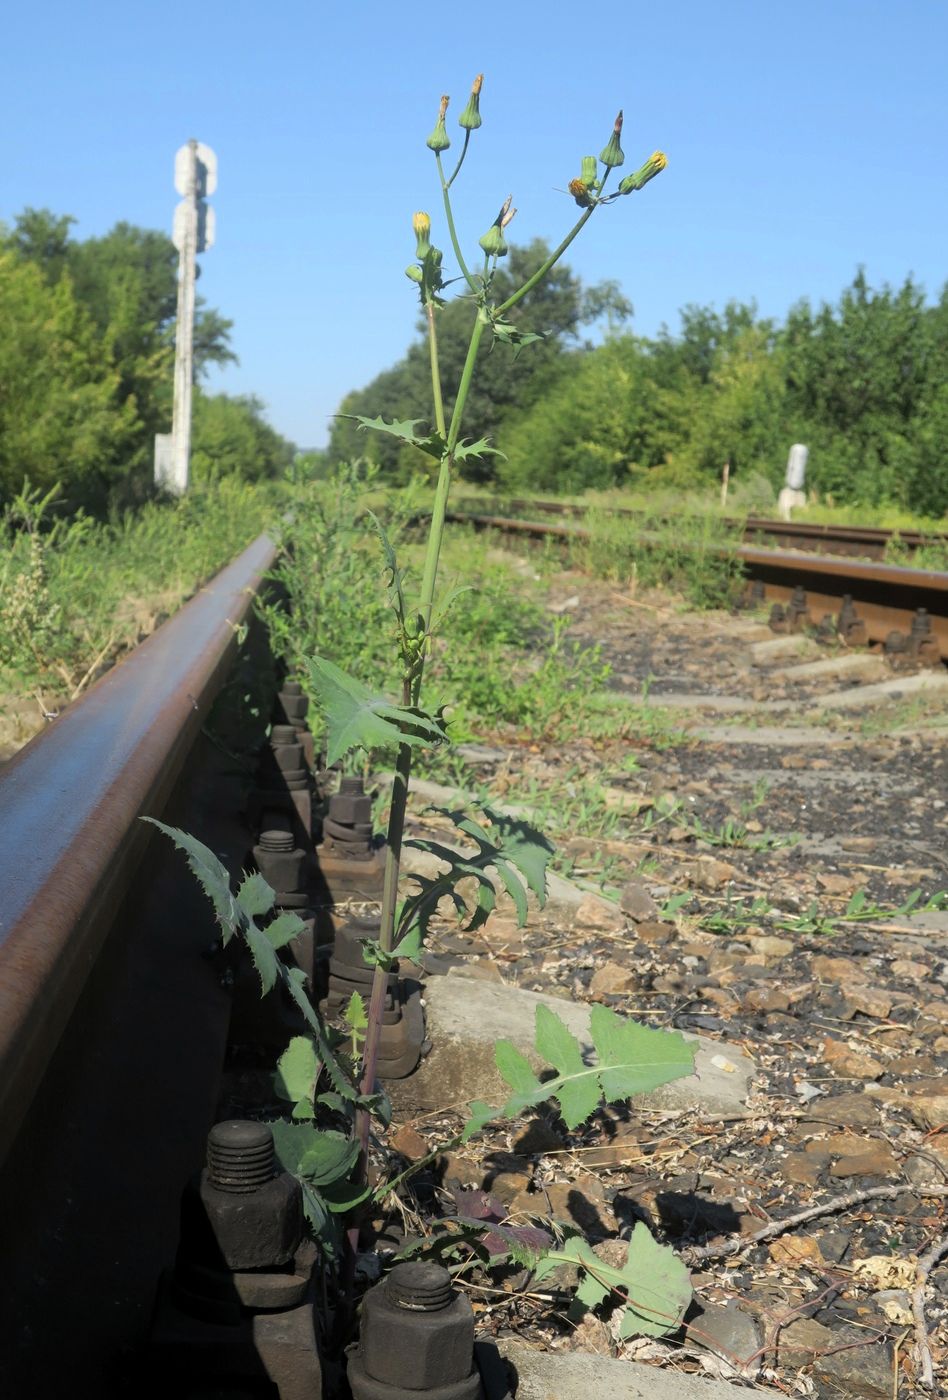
[
  {"x": 611, "y": 154},
  {"x": 493, "y": 241},
  {"x": 439, "y": 140},
  {"x": 470, "y": 118}
]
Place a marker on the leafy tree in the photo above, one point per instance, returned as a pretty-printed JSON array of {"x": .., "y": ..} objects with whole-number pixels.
[
  {"x": 231, "y": 438},
  {"x": 62, "y": 416}
]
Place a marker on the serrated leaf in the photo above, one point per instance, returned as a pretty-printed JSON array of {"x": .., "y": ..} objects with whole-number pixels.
[
  {"x": 212, "y": 876},
  {"x": 255, "y": 896},
  {"x": 480, "y": 1115},
  {"x": 333, "y": 1100},
  {"x": 653, "y": 1285},
  {"x": 357, "y": 718},
  {"x": 391, "y": 563},
  {"x": 303, "y": 1111},
  {"x": 635, "y": 1059},
  {"x": 341, "y": 1196},
  {"x": 631, "y": 1059},
  {"x": 514, "y": 887},
  {"x": 515, "y": 1069},
  {"x": 330, "y": 1157},
  {"x": 659, "y": 1287},
  {"x": 509, "y": 845},
  {"x": 263, "y": 954},
  {"x": 297, "y": 1070},
  {"x": 404, "y": 429},
  {"x": 578, "y": 1098},
  {"x": 284, "y": 928},
  {"x": 410, "y": 948},
  {"x": 481, "y": 448},
  {"x": 354, "y": 1014}
]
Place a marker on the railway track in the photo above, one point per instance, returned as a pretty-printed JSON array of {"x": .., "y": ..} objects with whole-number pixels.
[
  {"x": 113, "y": 1023},
  {"x": 116, "y": 1017},
  {"x": 904, "y": 609},
  {"x": 861, "y": 541}
]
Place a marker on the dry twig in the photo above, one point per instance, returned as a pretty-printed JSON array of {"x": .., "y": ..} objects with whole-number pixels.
[
  {"x": 923, "y": 1353},
  {"x": 852, "y": 1198}
]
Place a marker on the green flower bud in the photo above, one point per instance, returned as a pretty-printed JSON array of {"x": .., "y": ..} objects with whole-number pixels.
[
  {"x": 470, "y": 118},
  {"x": 421, "y": 223},
  {"x": 439, "y": 140},
  {"x": 590, "y": 172},
  {"x": 611, "y": 154},
  {"x": 653, "y": 166},
  {"x": 493, "y": 242},
  {"x": 414, "y": 272}
]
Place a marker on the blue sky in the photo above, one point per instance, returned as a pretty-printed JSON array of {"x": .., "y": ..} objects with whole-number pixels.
[{"x": 803, "y": 139}]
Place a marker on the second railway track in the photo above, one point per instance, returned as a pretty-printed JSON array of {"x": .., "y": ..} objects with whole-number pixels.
[{"x": 903, "y": 608}]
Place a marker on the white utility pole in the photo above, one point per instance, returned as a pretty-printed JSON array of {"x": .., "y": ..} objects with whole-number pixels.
[{"x": 195, "y": 176}]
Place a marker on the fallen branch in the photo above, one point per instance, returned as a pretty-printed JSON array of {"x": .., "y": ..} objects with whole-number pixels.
[
  {"x": 777, "y": 1227},
  {"x": 923, "y": 1353}
]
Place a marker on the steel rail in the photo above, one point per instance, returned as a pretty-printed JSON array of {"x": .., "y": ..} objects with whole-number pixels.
[
  {"x": 69, "y": 808},
  {"x": 859, "y": 540},
  {"x": 887, "y": 596}
]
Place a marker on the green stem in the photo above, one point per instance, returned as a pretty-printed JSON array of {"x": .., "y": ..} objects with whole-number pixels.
[
  {"x": 387, "y": 1187},
  {"x": 435, "y": 369},
  {"x": 467, "y": 374},
  {"x": 457, "y": 168},
  {"x": 554, "y": 257},
  {"x": 451, "y": 229}
]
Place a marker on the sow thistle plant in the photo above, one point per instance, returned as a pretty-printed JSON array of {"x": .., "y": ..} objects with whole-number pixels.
[{"x": 326, "y": 1072}]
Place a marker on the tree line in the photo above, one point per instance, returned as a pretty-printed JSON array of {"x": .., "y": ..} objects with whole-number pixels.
[
  {"x": 86, "y": 362},
  {"x": 862, "y": 382}
]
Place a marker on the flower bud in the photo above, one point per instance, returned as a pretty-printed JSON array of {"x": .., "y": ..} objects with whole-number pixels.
[
  {"x": 590, "y": 172},
  {"x": 493, "y": 242},
  {"x": 611, "y": 154},
  {"x": 653, "y": 166},
  {"x": 439, "y": 140},
  {"x": 414, "y": 272},
  {"x": 470, "y": 118},
  {"x": 421, "y": 223}
]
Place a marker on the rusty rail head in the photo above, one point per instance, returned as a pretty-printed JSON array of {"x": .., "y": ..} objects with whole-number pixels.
[{"x": 69, "y": 808}]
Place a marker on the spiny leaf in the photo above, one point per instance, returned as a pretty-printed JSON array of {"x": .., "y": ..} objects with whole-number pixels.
[
  {"x": 255, "y": 896},
  {"x": 264, "y": 955},
  {"x": 284, "y": 928},
  {"x": 212, "y": 876},
  {"x": 234, "y": 919},
  {"x": 357, "y": 718},
  {"x": 391, "y": 563},
  {"x": 330, "y": 1157},
  {"x": 297, "y": 1070},
  {"x": 354, "y": 1014},
  {"x": 510, "y": 847},
  {"x": 404, "y": 429},
  {"x": 481, "y": 448}
]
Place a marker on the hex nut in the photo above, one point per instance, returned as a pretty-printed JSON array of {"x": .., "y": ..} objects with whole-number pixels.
[
  {"x": 284, "y": 871},
  {"x": 257, "y": 1229},
  {"x": 417, "y": 1350}
]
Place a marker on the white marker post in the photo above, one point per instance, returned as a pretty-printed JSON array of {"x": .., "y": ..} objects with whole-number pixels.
[
  {"x": 793, "y": 495},
  {"x": 195, "y": 176}
]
